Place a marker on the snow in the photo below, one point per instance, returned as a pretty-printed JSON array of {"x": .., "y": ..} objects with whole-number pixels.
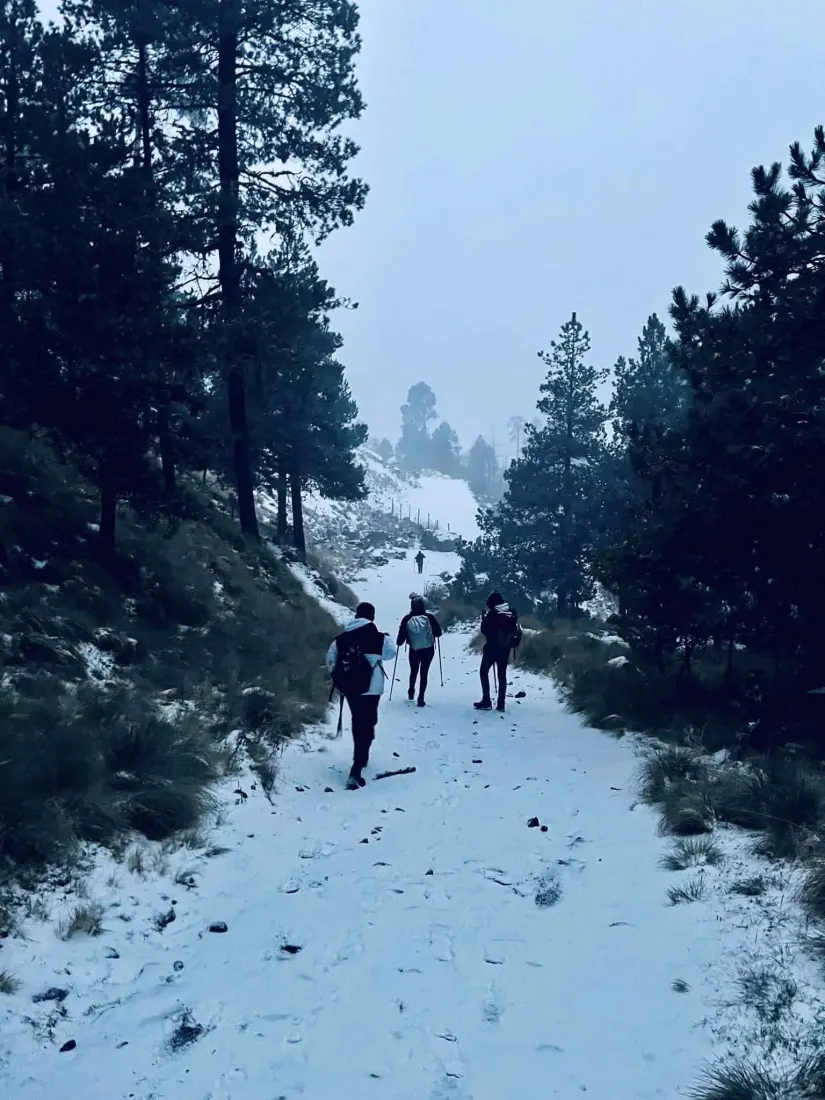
[
  {"x": 99, "y": 664},
  {"x": 441, "y": 948},
  {"x": 432, "y": 497}
]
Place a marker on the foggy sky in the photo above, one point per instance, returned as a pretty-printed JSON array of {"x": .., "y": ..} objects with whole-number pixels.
[{"x": 528, "y": 158}]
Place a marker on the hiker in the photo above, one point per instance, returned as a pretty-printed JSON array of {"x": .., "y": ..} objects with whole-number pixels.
[
  {"x": 419, "y": 629},
  {"x": 419, "y": 561},
  {"x": 501, "y": 631},
  {"x": 355, "y": 660}
]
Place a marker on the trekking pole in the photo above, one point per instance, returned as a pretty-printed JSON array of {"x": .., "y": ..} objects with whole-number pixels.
[
  {"x": 394, "y": 667},
  {"x": 440, "y": 669},
  {"x": 495, "y": 678}
]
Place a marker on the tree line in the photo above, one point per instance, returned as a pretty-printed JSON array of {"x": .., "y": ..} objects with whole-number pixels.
[
  {"x": 429, "y": 443},
  {"x": 164, "y": 172},
  {"x": 694, "y": 493}
]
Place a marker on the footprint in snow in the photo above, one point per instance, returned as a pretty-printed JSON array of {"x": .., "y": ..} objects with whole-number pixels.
[{"x": 441, "y": 942}]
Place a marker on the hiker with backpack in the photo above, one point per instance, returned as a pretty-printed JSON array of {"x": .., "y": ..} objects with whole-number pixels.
[
  {"x": 419, "y": 561},
  {"x": 502, "y": 633},
  {"x": 355, "y": 660},
  {"x": 420, "y": 630}
]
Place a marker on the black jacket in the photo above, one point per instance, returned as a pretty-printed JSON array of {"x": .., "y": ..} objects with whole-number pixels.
[{"x": 498, "y": 627}]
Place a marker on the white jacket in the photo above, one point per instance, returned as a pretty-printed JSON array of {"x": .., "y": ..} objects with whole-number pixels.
[{"x": 378, "y": 676}]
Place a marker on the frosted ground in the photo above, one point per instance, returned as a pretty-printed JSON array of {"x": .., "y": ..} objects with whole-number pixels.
[{"x": 417, "y": 939}]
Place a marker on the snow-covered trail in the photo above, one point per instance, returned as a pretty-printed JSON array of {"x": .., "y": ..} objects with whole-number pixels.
[{"x": 387, "y": 943}]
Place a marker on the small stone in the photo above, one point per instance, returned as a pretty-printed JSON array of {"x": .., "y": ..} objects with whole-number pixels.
[
  {"x": 166, "y": 918},
  {"x": 219, "y": 926},
  {"x": 478, "y": 761},
  {"x": 366, "y": 840},
  {"x": 328, "y": 790},
  {"x": 430, "y": 872},
  {"x": 111, "y": 953},
  {"x": 120, "y": 1046},
  {"x": 533, "y": 823},
  {"x": 544, "y": 828},
  {"x": 177, "y": 965},
  {"x": 291, "y": 948},
  {"x": 397, "y": 755},
  {"x": 520, "y": 695},
  {"x": 67, "y": 1046}
]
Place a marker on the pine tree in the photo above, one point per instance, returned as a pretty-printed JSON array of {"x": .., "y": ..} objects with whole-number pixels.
[
  {"x": 414, "y": 448},
  {"x": 553, "y": 496},
  {"x": 445, "y": 450},
  {"x": 482, "y": 468},
  {"x": 265, "y": 89}
]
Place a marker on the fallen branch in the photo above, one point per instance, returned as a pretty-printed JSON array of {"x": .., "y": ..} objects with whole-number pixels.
[{"x": 400, "y": 771}]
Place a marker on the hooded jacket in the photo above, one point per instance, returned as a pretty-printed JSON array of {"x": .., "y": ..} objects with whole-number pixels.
[{"x": 377, "y": 648}]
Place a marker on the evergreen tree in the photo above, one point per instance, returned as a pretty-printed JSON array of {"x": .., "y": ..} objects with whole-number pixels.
[
  {"x": 414, "y": 448},
  {"x": 553, "y": 496},
  {"x": 384, "y": 449},
  {"x": 445, "y": 450},
  {"x": 266, "y": 88},
  {"x": 516, "y": 429},
  {"x": 482, "y": 468}
]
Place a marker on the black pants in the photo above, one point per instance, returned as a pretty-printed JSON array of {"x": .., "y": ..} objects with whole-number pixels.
[
  {"x": 487, "y": 661},
  {"x": 420, "y": 566},
  {"x": 420, "y": 659},
  {"x": 364, "y": 711}
]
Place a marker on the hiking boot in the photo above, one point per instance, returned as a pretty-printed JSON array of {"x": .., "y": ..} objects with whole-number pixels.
[
  {"x": 411, "y": 693},
  {"x": 421, "y": 703},
  {"x": 485, "y": 704},
  {"x": 355, "y": 780},
  {"x": 500, "y": 707}
]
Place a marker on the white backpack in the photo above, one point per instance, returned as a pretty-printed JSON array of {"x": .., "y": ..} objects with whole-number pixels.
[{"x": 419, "y": 632}]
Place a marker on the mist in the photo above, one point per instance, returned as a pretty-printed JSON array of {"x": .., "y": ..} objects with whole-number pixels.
[{"x": 531, "y": 159}]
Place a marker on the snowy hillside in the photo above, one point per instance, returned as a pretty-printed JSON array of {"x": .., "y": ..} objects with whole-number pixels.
[{"x": 390, "y": 520}]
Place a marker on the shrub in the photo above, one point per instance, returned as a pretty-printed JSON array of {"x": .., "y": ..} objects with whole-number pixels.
[
  {"x": 89, "y": 764},
  {"x": 8, "y": 983},
  {"x": 777, "y": 795},
  {"x": 812, "y": 892},
  {"x": 738, "y": 1080},
  {"x": 752, "y": 887},
  {"x": 686, "y": 810},
  {"x": 691, "y": 890},
  {"x": 692, "y": 851},
  {"x": 86, "y": 920},
  {"x": 663, "y": 767}
]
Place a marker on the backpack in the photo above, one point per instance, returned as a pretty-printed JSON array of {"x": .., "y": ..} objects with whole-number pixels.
[
  {"x": 508, "y": 632},
  {"x": 420, "y": 632},
  {"x": 352, "y": 674}
]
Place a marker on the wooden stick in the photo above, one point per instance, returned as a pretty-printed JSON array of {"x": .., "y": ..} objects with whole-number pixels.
[{"x": 401, "y": 771}]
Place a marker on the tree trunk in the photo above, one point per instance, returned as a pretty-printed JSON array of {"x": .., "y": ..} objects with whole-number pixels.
[
  {"x": 229, "y": 21},
  {"x": 282, "y": 488},
  {"x": 167, "y": 451},
  {"x": 729, "y": 668},
  {"x": 108, "y": 516},
  {"x": 298, "y": 536},
  {"x": 144, "y": 98}
]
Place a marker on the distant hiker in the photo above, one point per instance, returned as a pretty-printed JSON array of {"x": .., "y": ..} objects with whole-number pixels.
[
  {"x": 355, "y": 660},
  {"x": 419, "y": 629},
  {"x": 419, "y": 561},
  {"x": 502, "y": 633}
]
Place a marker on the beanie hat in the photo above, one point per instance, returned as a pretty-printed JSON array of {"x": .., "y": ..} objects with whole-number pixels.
[
  {"x": 365, "y": 611},
  {"x": 494, "y": 599}
]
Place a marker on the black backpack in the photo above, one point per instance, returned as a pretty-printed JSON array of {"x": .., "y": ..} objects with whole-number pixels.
[
  {"x": 352, "y": 674},
  {"x": 508, "y": 631}
]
